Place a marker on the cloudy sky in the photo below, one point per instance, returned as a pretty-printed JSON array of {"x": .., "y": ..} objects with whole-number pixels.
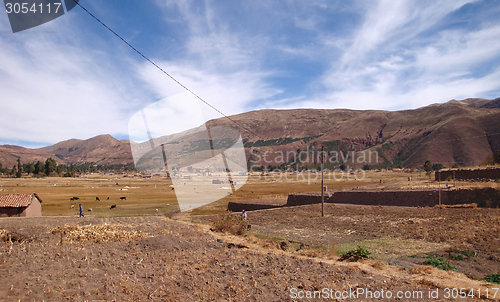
[{"x": 71, "y": 78}]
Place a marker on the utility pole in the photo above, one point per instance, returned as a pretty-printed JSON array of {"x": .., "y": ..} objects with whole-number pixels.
[
  {"x": 439, "y": 188},
  {"x": 322, "y": 186}
]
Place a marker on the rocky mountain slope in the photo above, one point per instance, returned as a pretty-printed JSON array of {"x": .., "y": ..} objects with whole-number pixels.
[{"x": 462, "y": 132}]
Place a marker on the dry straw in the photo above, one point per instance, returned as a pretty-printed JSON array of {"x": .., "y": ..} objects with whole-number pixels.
[{"x": 96, "y": 233}]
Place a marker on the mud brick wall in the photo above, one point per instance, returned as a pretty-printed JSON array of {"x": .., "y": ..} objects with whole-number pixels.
[
  {"x": 240, "y": 206},
  {"x": 463, "y": 174},
  {"x": 486, "y": 197},
  {"x": 301, "y": 199}
]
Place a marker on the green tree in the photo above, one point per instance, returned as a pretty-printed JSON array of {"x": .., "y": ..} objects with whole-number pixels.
[
  {"x": 71, "y": 171},
  {"x": 29, "y": 168},
  {"x": 19, "y": 168},
  {"x": 428, "y": 168},
  {"x": 437, "y": 167},
  {"x": 50, "y": 165},
  {"x": 39, "y": 167}
]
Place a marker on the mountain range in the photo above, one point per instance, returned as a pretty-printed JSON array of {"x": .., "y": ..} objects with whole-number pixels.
[{"x": 463, "y": 132}]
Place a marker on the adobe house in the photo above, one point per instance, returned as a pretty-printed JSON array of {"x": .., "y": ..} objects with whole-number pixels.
[{"x": 20, "y": 205}]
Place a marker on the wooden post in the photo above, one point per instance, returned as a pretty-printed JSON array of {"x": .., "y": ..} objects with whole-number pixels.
[
  {"x": 439, "y": 188},
  {"x": 322, "y": 185}
]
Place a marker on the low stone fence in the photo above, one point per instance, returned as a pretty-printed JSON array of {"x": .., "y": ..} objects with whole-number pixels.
[
  {"x": 484, "y": 197},
  {"x": 464, "y": 174},
  {"x": 252, "y": 205}
]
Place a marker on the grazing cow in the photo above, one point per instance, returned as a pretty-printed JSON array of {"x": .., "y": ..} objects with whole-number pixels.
[
  {"x": 97, "y": 198},
  {"x": 113, "y": 206},
  {"x": 74, "y": 198},
  {"x": 123, "y": 198},
  {"x": 108, "y": 198},
  {"x": 90, "y": 210}
]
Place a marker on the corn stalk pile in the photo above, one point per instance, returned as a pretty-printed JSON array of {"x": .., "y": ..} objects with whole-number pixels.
[
  {"x": 96, "y": 233},
  {"x": 3, "y": 235}
]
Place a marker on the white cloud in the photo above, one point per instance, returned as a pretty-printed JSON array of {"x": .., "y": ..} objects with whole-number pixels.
[
  {"x": 54, "y": 87},
  {"x": 392, "y": 64},
  {"x": 222, "y": 66},
  {"x": 229, "y": 93},
  {"x": 64, "y": 80}
]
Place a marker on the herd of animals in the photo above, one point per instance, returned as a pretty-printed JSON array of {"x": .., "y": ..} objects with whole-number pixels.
[{"x": 97, "y": 199}]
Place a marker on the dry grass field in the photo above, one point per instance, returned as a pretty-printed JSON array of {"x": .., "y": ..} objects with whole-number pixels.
[{"x": 145, "y": 195}]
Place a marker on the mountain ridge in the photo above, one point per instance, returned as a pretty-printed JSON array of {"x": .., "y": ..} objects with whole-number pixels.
[{"x": 463, "y": 132}]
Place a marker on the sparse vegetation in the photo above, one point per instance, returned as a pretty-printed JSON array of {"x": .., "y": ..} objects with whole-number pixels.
[
  {"x": 439, "y": 262},
  {"x": 493, "y": 278},
  {"x": 459, "y": 254},
  {"x": 356, "y": 254},
  {"x": 230, "y": 223},
  {"x": 437, "y": 167},
  {"x": 428, "y": 167}
]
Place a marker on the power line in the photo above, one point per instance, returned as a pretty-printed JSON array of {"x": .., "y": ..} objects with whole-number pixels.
[{"x": 162, "y": 70}]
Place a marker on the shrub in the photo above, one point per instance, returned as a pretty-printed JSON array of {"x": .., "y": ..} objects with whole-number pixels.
[
  {"x": 456, "y": 254},
  {"x": 356, "y": 254},
  {"x": 229, "y": 223},
  {"x": 493, "y": 278},
  {"x": 438, "y": 262},
  {"x": 457, "y": 257}
]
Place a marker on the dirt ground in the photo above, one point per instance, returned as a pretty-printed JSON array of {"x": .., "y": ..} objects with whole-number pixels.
[
  {"x": 398, "y": 235},
  {"x": 159, "y": 259}
]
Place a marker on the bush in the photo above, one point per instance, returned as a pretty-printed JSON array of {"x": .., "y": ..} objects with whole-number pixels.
[
  {"x": 230, "y": 223},
  {"x": 456, "y": 257},
  {"x": 493, "y": 278},
  {"x": 356, "y": 254},
  {"x": 438, "y": 262}
]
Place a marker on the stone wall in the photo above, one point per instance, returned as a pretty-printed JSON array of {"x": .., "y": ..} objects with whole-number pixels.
[
  {"x": 485, "y": 197},
  {"x": 464, "y": 174},
  {"x": 252, "y": 205}
]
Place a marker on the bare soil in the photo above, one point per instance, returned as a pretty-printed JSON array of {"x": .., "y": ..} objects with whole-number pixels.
[
  {"x": 402, "y": 236},
  {"x": 180, "y": 261}
]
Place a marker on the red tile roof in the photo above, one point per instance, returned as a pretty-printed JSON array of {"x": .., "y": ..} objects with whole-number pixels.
[{"x": 17, "y": 200}]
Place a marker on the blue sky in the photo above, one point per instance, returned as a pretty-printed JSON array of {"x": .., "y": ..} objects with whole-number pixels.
[{"x": 71, "y": 78}]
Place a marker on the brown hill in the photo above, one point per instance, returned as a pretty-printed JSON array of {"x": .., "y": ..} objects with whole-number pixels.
[
  {"x": 102, "y": 149},
  {"x": 463, "y": 132},
  {"x": 10, "y": 153}
]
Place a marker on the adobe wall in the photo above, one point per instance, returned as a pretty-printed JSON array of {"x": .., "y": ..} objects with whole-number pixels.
[
  {"x": 34, "y": 209},
  {"x": 11, "y": 212},
  {"x": 303, "y": 199},
  {"x": 463, "y": 174},
  {"x": 486, "y": 197},
  {"x": 239, "y": 206}
]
